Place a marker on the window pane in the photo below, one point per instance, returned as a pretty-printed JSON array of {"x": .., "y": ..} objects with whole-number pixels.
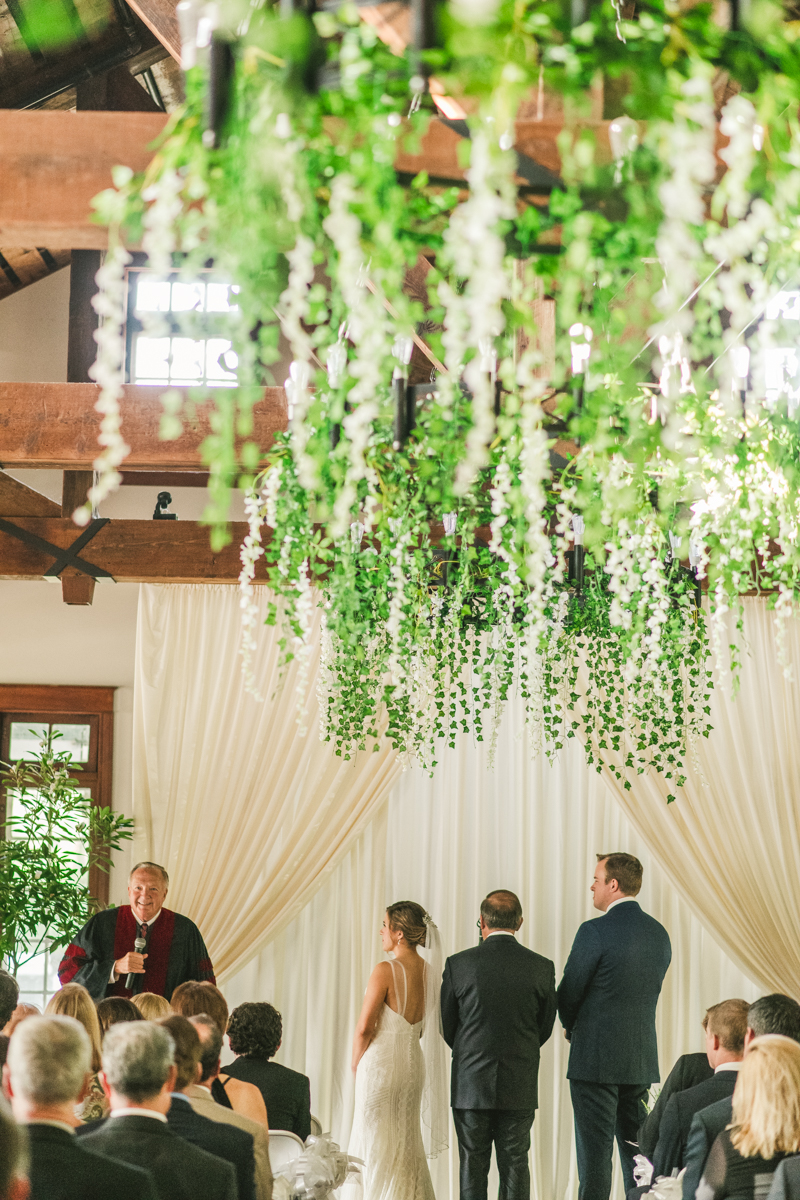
[
  {"x": 74, "y": 740},
  {"x": 152, "y": 295},
  {"x": 152, "y": 359},
  {"x": 219, "y": 356},
  {"x": 218, "y": 298},
  {"x": 23, "y": 743},
  {"x": 187, "y": 360},
  {"x": 188, "y": 296}
]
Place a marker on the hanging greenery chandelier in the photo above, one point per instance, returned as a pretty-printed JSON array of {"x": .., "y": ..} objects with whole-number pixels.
[{"x": 416, "y": 493}]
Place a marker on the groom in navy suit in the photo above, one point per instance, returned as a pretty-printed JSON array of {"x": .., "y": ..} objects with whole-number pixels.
[{"x": 607, "y": 1005}]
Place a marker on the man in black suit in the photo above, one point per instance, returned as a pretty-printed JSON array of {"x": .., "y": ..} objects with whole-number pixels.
[
  {"x": 725, "y": 1027},
  {"x": 234, "y": 1145},
  {"x": 607, "y": 1003},
  {"x": 498, "y": 1009},
  {"x": 139, "y": 1075},
  {"x": 689, "y": 1069},
  {"x": 770, "y": 1014},
  {"x": 46, "y": 1075},
  {"x": 14, "y": 1183}
]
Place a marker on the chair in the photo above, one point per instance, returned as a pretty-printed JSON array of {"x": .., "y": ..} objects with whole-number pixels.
[
  {"x": 284, "y": 1147},
  {"x": 316, "y": 1126}
]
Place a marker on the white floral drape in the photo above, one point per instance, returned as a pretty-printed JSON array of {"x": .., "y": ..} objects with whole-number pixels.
[{"x": 247, "y": 816}]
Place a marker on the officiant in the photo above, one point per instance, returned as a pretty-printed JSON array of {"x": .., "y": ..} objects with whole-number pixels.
[{"x": 138, "y": 947}]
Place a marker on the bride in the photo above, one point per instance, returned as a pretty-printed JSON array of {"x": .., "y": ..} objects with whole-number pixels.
[{"x": 401, "y": 1111}]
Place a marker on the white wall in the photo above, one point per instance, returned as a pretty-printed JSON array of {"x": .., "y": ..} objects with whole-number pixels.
[{"x": 33, "y": 331}]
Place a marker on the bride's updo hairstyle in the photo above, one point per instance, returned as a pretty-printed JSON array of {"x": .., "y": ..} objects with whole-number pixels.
[{"x": 409, "y": 919}]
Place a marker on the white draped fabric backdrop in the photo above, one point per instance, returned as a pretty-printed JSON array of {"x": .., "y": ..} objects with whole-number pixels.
[{"x": 287, "y": 857}]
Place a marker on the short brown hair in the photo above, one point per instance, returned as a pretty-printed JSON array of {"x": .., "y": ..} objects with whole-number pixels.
[
  {"x": 728, "y": 1021},
  {"x": 191, "y": 999},
  {"x": 501, "y": 910},
  {"x": 111, "y": 1010},
  {"x": 626, "y": 869},
  {"x": 187, "y": 1048}
]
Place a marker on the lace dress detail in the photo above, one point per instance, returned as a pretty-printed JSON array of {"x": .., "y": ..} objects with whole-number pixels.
[{"x": 387, "y": 1133}]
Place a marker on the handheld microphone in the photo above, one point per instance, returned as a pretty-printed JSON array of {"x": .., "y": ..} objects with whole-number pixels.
[{"x": 138, "y": 946}]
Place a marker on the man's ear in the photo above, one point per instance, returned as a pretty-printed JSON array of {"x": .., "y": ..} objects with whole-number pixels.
[
  {"x": 169, "y": 1085},
  {"x": 198, "y": 1073},
  {"x": 19, "y": 1189},
  {"x": 84, "y": 1092},
  {"x": 106, "y": 1086},
  {"x": 8, "y": 1091},
  {"x": 520, "y": 922}
]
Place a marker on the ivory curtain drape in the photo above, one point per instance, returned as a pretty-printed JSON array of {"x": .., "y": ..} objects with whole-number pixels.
[
  {"x": 247, "y": 816},
  {"x": 445, "y": 842},
  {"x": 730, "y": 842}
]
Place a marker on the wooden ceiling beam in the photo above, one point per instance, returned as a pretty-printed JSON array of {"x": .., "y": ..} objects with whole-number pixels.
[
  {"x": 161, "y": 19},
  {"x": 53, "y": 163},
  {"x": 55, "y": 425},
  {"x": 130, "y": 551},
  {"x": 19, "y": 500}
]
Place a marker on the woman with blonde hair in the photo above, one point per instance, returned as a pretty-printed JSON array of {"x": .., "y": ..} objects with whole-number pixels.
[
  {"x": 766, "y": 1123},
  {"x": 74, "y": 1001},
  {"x": 151, "y": 1006}
]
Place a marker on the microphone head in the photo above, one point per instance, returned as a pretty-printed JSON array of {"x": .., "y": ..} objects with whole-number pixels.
[{"x": 139, "y": 945}]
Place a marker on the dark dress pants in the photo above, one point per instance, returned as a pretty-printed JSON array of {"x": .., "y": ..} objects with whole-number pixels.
[
  {"x": 603, "y": 1112},
  {"x": 510, "y": 1132}
]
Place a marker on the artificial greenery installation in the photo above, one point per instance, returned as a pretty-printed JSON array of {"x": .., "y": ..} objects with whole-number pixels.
[
  {"x": 452, "y": 555},
  {"x": 53, "y": 838}
]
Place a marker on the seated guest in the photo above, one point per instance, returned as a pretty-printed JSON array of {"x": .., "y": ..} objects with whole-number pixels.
[
  {"x": 775, "y": 1014},
  {"x": 254, "y": 1033},
  {"x": 139, "y": 1074},
  {"x": 20, "y": 1013},
  {"x": 151, "y": 1006},
  {"x": 203, "y": 1102},
  {"x": 49, "y": 1063},
  {"x": 234, "y": 1145},
  {"x": 726, "y": 1026},
  {"x": 115, "y": 1009},
  {"x": 14, "y": 1183},
  {"x": 74, "y": 1001},
  {"x": 189, "y": 1000},
  {"x": 688, "y": 1070},
  {"x": 766, "y": 1123},
  {"x": 9, "y": 996}
]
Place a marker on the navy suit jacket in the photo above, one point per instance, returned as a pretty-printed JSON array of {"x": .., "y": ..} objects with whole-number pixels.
[
  {"x": 226, "y": 1141},
  {"x": 678, "y": 1116},
  {"x": 690, "y": 1069},
  {"x": 706, "y": 1126},
  {"x": 607, "y": 997},
  {"x": 498, "y": 1008},
  {"x": 63, "y": 1169}
]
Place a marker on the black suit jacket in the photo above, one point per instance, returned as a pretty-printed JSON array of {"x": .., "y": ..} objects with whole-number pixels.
[
  {"x": 179, "y": 1171},
  {"x": 689, "y": 1070},
  {"x": 498, "y": 1008},
  {"x": 64, "y": 1169},
  {"x": 678, "y": 1116},
  {"x": 786, "y": 1182},
  {"x": 703, "y": 1132},
  {"x": 226, "y": 1141},
  {"x": 287, "y": 1093},
  {"x": 607, "y": 997}
]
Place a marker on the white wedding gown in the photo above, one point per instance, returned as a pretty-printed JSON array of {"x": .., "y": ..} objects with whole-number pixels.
[{"x": 387, "y": 1133}]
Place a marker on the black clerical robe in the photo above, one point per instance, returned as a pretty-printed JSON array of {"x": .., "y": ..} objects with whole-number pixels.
[{"x": 174, "y": 947}]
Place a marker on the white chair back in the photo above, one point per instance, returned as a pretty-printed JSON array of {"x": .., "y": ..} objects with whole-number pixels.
[
  {"x": 316, "y": 1126},
  {"x": 284, "y": 1147}
]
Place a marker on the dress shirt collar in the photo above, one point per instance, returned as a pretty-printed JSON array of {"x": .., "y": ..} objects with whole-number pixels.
[
  {"x": 728, "y": 1066},
  {"x": 54, "y": 1125},
  {"x": 621, "y": 900},
  {"x": 148, "y": 923},
  {"x": 500, "y": 932},
  {"x": 138, "y": 1112},
  {"x": 180, "y": 1096}
]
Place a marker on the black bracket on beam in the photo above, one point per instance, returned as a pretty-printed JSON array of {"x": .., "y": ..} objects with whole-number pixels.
[{"x": 63, "y": 558}]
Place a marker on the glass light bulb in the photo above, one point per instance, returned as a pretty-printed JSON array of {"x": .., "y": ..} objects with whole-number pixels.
[
  {"x": 450, "y": 520},
  {"x": 578, "y": 528},
  {"x": 337, "y": 363}
]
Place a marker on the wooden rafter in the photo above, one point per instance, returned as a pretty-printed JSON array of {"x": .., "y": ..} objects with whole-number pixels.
[
  {"x": 160, "y": 18},
  {"x": 55, "y": 425}
]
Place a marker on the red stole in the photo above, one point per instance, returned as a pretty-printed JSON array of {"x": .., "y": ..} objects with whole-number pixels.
[{"x": 159, "y": 944}]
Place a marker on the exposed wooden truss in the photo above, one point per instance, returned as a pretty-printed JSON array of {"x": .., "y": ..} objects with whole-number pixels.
[{"x": 55, "y": 425}]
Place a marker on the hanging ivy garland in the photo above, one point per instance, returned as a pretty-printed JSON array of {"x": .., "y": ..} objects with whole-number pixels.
[{"x": 454, "y": 557}]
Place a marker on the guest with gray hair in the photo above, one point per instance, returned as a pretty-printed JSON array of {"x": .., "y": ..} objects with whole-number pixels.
[
  {"x": 47, "y": 1073},
  {"x": 14, "y": 1184},
  {"x": 139, "y": 1075}
]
